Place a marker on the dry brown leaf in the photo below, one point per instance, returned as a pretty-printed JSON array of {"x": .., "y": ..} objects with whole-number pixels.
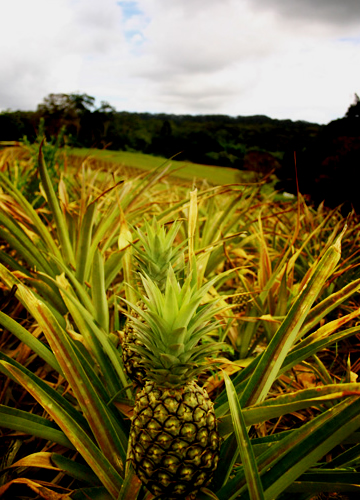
[
  {"x": 37, "y": 487},
  {"x": 307, "y": 379},
  {"x": 41, "y": 459}
]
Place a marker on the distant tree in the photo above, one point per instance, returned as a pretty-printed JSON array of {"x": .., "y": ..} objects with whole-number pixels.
[
  {"x": 97, "y": 126},
  {"x": 65, "y": 110},
  {"x": 354, "y": 109},
  {"x": 166, "y": 129},
  {"x": 14, "y": 125},
  {"x": 162, "y": 142},
  {"x": 328, "y": 165}
]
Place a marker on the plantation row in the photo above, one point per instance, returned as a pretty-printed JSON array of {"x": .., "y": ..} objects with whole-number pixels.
[{"x": 166, "y": 340}]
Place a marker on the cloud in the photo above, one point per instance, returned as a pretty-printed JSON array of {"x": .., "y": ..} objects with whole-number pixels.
[
  {"x": 206, "y": 36},
  {"x": 44, "y": 46},
  {"x": 288, "y": 59},
  {"x": 337, "y": 13},
  {"x": 224, "y": 57}
]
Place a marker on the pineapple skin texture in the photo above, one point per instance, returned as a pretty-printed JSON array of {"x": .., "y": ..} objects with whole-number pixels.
[
  {"x": 241, "y": 301},
  {"x": 131, "y": 360},
  {"x": 174, "y": 440}
]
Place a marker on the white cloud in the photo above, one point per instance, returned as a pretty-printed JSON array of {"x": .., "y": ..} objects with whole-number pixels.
[
  {"x": 287, "y": 59},
  {"x": 312, "y": 82},
  {"x": 209, "y": 38},
  {"x": 44, "y": 46}
]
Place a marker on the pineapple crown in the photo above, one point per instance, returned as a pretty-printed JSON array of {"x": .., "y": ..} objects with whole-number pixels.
[
  {"x": 170, "y": 329},
  {"x": 158, "y": 251}
]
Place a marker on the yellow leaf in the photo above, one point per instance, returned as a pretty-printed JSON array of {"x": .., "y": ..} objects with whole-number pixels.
[
  {"x": 125, "y": 237},
  {"x": 41, "y": 459},
  {"x": 269, "y": 318},
  {"x": 38, "y": 487},
  {"x": 193, "y": 214}
]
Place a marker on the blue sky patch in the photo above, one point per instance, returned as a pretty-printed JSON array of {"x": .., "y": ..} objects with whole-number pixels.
[{"x": 129, "y": 9}]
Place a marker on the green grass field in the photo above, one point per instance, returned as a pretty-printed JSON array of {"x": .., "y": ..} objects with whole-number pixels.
[{"x": 182, "y": 170}]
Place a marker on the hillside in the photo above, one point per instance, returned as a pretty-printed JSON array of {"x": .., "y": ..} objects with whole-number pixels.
[{"x": 206, "y": 139}]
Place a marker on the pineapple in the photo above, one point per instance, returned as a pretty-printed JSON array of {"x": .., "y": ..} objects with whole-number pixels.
[
  {"x": 174, "y": 441},
  {"x": 154, "y": 260},
  {"x": 132, "y": 362},
  {"x": 241, "y": 301}
]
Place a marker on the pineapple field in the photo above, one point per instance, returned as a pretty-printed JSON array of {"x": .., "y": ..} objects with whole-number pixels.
[{"x": 165, "y": 336}]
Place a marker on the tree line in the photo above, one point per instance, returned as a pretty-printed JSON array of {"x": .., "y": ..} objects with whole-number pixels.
[
  {"x": 325, "y": 157},
  {"x": 208, "y": 139},
  {"x": 328, "y": 167}
]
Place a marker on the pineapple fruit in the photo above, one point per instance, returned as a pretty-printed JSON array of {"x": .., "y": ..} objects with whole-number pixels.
[
  {"x": 154, "y": 257},
  {"x": 241, "y": 301},
  {"x": 174, "y": 441},
  {"x": 132, "y": 362}
]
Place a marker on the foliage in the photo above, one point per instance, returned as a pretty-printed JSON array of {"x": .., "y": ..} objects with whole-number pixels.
[
  {"x": 19, "y": 161},
  {"x": 327, "y": 165},
  {"x": 353, "y": 111},
  {"x": 212, "y": 140},
  {"x": 63, "y": 267}
]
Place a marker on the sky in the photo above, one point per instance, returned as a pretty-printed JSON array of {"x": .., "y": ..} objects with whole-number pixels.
[{"x": 287, "y": 59}]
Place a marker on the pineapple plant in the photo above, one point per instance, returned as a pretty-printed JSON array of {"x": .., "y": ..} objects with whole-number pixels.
[
  {"x": 158, "y": 250},
  {"x": 174, "y": 441},
  {"x": 79, "y": 424},
  {"x": 154, "y": 258}
]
